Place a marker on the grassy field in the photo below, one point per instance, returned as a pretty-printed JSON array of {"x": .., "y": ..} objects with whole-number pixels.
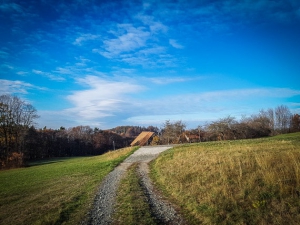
[
  {"x": 132, "y": 207},
  {"x": 57, "y": 191},
  {"x": 234, "y": 182}
]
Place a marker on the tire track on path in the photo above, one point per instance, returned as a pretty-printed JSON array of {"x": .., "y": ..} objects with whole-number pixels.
[{"x": 103, "y": 207}]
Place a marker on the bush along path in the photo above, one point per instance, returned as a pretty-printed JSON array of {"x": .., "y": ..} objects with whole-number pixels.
[{"x": 103, "y": 208}]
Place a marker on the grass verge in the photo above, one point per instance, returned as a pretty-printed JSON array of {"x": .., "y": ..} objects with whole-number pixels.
[
  {"x": 234, "y": 182},
  {"x": 132, "y": 207},
  {"x": 55, "y": 191}
]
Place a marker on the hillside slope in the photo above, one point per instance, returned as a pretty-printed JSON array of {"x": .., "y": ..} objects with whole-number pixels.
[{"x": 234, "y": 182}]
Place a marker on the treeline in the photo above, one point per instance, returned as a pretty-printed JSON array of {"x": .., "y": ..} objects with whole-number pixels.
[
  {"x": 20, "y": 141},
  {"x": 133, "y": 131},
  {"x": 77, "y": 141},
  {"x": 265, "y": 123}
]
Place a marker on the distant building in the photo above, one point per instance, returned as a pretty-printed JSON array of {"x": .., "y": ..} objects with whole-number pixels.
[{"x": 143, "y": 139}]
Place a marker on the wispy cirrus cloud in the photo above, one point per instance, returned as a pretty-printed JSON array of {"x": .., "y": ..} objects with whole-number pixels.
[
  {"x": 154, "y": 26},
  {"x": 207, "y": 106},
  {"x": 81, "y": 61},
  {"x": 132, "y": 102},
  {"x": 7, "y": 66},
  {"x": 84, "y": 38},
  {"x": 16, "y": 87},
  {"x": 48, "y": 75},
  {"x": 127, "y": 39},
  {"x": 169, "y": 80},
  {"x": 22, "y": 73},
  {"x": 102, "y": 97},
  {"x": 150, "y": 59},
  {"x": 230, "y": 96},
  {"x": 142, "y": 42},
  {"x": 175, "y": 44}
]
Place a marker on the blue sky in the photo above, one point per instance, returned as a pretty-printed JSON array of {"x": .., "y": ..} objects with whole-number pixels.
[{"x": 110, "y": 63}]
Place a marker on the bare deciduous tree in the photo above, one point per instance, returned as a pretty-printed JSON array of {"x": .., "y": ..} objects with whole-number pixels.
[
  {"x": 295, "y": 123},
  {"x": 283, "y": 117},
  {"x": 223, "y": 129},
  {"x": 172, "y": 131},
  {"x": 16, "y": 118}
]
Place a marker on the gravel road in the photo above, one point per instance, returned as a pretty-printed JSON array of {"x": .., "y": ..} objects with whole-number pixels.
[{"x": 103, "y": 207}]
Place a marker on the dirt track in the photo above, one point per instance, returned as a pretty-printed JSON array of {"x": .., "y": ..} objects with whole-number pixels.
[{"x": 103, "y": 207}]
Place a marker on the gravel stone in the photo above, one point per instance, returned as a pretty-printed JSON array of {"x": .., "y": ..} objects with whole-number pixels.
[
  {"x": 161, "y": 209},
  {"x": 103, "y": 207}
]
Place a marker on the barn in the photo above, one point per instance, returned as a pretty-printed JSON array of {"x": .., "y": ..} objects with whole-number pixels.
[{"x": 143, "y": 139}]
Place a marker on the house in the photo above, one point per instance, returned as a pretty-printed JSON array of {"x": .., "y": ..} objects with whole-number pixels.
[{"x": 143, "y": 139}]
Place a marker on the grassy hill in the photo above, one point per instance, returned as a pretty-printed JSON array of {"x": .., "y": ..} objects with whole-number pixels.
[
  {"x": 234, "y": 182},
  {"x": 58, "y": 191},
  {"x": 230, "y": 182}
]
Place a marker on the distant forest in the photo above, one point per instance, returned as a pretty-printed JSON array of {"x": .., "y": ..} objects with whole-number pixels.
[{"x": 21, "y": 142}]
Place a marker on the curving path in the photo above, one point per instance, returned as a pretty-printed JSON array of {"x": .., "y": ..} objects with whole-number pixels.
[{"x": 104, "y": 202}]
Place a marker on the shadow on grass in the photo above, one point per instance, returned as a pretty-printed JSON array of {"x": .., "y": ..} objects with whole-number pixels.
[
  {"x": 47, "y": 161},
  {"x": 68, "y": 209}
]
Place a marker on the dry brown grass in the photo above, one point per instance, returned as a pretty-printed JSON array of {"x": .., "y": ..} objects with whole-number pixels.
[{"x": 235, "y": 182}]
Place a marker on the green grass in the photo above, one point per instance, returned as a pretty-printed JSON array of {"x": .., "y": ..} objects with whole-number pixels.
[
  {"x": 56, "y": 191},
  {"x": 132, "y": 207},
  {"x": 234, "y": 182}
]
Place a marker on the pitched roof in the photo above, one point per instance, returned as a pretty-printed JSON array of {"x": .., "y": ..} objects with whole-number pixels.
[{"x": 142, "y": 139}]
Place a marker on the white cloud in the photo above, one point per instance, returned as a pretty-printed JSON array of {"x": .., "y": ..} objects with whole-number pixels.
[
  {"x": 149, "y": 58},
  {"x": 121, "y": 98},
  {"x": 82, "y": 62},
  {"x": 191, "y": 119},
  {"x": 16, "y": 87},
  {"x": 37, "y": 72},
  {"x": 208, "y": 106},
  {"x": 103, "y": 98},
  {"x": 154, "y": 26},
  {"x": 152, "y": 50},
  {"x": 62, "y": 70},
  {"x": 56, "y": 119},
  {"x": 48, "y": 75},
  {"x": 157, "y": 27},
  {"x": 295, "y": 104},
  {"x": 138, "y": 43},
  {"x": 22, "y": 73},
  {"x": 175, "y": 44},
  {"x": 84, "y": 38},
  {"x": 235, "y": 95},
  {"x": 168, "y": 80},
  {"x": 7, "y": 66},
  {"x": 130, "y": 40}
]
